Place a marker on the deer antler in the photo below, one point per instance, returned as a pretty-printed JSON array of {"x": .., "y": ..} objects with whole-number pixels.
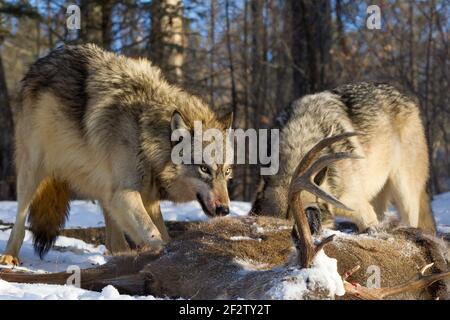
[
  {"x": 365, "y": 293},
  {"x": 303, "y": 180}
]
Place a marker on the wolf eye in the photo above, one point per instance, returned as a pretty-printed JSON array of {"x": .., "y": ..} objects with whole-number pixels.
[
  {"x": 204, "y": 169},
  {"x": 228, "y": 171}
]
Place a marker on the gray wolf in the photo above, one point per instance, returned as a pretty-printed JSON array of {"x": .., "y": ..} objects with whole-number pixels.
[
  {"x": 98, "y": 125},
  {"x": 391, "y": 141}
]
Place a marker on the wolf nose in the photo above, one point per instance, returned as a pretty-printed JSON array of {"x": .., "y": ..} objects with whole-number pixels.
[{"x": 222, "y": 210}]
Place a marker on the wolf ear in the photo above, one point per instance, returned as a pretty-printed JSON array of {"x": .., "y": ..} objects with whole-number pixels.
[
  {"x": 177, "y": 121},
  {"x": 320, "y": 176},
  {"x": 227, "y": 120}
]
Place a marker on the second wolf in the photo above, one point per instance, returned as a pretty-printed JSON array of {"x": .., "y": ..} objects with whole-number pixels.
[
  {"x": 391, "y": 142},
  {"x": 100, "y": 125}
]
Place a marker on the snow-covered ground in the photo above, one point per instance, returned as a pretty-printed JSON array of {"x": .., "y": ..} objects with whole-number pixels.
[
  {"x": 70, "y": 251},
  {"x": 85, "y": 214}
]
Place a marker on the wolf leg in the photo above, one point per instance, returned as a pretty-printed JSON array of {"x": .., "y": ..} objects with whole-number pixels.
[
  {"x": 409, "y": 178},
  {"x": 412, "y": 203},
  {"x": 426, "y": 218},
  {"x": 115, "y": 239},
  {"x": 27, "y": 182},
  {"x": 381, "y": 201},
  {"x": 128, "y": 211},
  {"x": 154, "y": 211}
]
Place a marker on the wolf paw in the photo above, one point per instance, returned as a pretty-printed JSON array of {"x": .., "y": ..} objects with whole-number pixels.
[{"x": 9, "y": 260}]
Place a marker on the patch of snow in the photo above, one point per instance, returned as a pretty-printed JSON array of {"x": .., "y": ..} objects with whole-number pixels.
[
  {"x": 67, "y": 252},
  {"x": 192, "y": 211},
  {"x": 83, "y": 214},
  {"x": 244, "y": 238},
  {"x": 260, "y": 229},
  {"x": 249, "y": 265},
  {"x": 295, "y": 284},
  {"x": 22, "y": 291},
  {"x": 441, "y": 210}
]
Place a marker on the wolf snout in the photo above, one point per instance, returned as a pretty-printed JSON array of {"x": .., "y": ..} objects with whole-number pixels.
[{"x": 222, "y": 210}]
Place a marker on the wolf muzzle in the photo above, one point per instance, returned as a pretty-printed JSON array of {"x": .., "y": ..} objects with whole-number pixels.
[
  {"x": 222, "y": 210},
  {"x": 217, "y": 210}
]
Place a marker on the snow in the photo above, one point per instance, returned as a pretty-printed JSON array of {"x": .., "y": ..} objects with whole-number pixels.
[
  {"x": 85, "y": 214},
  {"x": 244, "y": 238},
  {"x": 18, "y": 291},
  {"x": 441, "y": 210},
  {"x": 291, "y": 283},
  {"x": 249, "y": 265},
  {"x": 296, "y": 284}
]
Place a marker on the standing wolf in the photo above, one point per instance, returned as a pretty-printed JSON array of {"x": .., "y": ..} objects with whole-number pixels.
[
  {"x": 100, "y": 125},
  {"x": 391, "y": 142}
]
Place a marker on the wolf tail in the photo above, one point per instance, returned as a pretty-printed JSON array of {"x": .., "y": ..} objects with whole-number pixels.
[{"x": 48, "y": 212}]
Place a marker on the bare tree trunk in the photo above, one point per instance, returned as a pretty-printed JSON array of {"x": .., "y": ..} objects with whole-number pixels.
[
  {"x": 231, "y": 62},
  {"x": 247, "y": 172},
  {"x": 166, "y": 38},
  {"x": 428, "y": 112},
  {"x": 264, "y": 72},
  {"x": 7, "y": 190},
  {"x": 212, "y": 35},
  {"x": 257, "y": 25},
  {"x": 283, "y": 82},
  {"x": 298, "y": 48},
  {"x": 323, "y": 42},
  {"x": 107, "y": 8},
  {"x": 256, "y": 10},
  {"x": 340, "y": 28},
  {"x": 38, "y": 34},
  {"x": 49, "y": 24},
  {"x": 412, "y": 62},
  {"x": 311, "y": 43}
]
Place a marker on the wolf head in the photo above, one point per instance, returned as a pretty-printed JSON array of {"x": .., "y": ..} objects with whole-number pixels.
[{"x": 204, "y": 180}]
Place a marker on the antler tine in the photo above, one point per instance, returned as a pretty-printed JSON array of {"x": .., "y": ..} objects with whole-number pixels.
[
  {"x": 305, "y": 185},
  {"x": 305, "y": 181},
  {"x": 312, "y": 154}
]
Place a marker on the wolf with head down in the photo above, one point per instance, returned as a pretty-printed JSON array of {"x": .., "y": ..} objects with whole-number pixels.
[
  {"x": 99, "y": 125},
  {"x": 391, "y": 144}
]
